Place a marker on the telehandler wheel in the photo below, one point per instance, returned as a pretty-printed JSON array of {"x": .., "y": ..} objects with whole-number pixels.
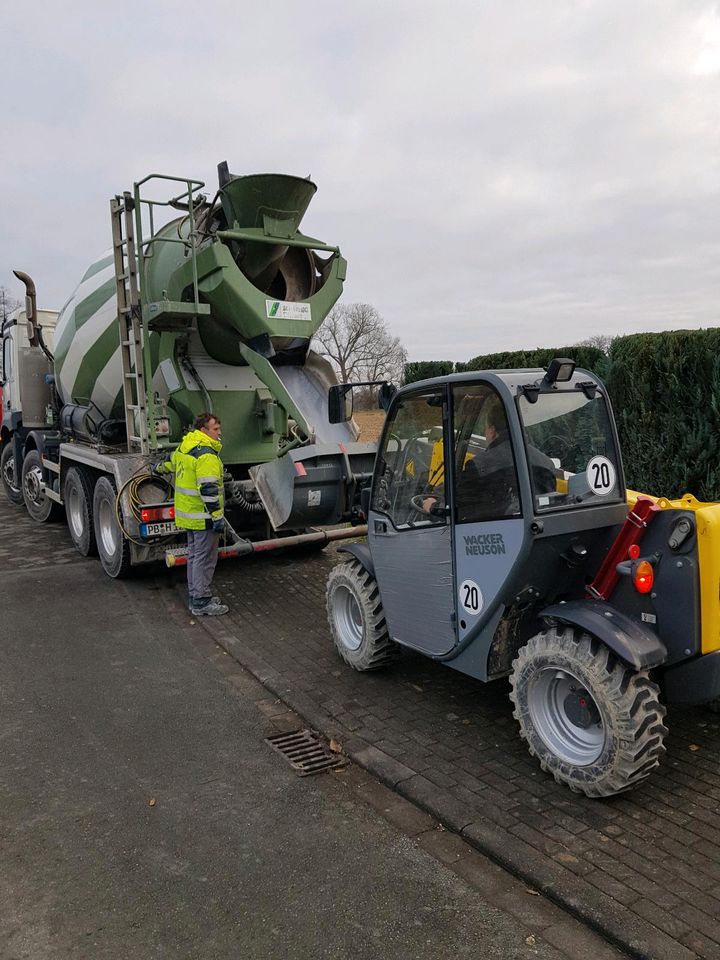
[
  {"x": 113, "y": 548},
  {"x": 78, "y": 497},
  {"x": 592, "y": 721},
  {"x": 37, "y": 503},
  {"x": 8, "y": 474},
  {"x": 356, "y": 618}
]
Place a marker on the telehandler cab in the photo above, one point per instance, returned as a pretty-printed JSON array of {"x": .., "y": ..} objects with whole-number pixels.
[{"x": 502, "y": 540}]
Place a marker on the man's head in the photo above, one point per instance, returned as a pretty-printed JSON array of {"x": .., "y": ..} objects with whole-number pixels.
[
  {"x": 208, "y": 424},
  {"x": 495, "y": 419}
]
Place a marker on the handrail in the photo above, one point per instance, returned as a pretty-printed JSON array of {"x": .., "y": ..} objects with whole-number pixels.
[{"x": 258, "y": 235}]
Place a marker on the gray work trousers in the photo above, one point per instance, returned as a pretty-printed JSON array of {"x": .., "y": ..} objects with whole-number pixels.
[{"x": 202, "y": 548}]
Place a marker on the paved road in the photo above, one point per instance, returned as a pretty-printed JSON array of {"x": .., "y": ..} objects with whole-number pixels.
[
  {"x": 142, "y": 814},
  {"x": 645, "y": 867}
]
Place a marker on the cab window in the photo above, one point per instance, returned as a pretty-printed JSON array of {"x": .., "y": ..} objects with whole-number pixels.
[
  {"x": 573, "y": 433},
  {"x": 410, "y": 469},
  {"x": 6, "y": 360},
  {"x": 486, "y": 484}
]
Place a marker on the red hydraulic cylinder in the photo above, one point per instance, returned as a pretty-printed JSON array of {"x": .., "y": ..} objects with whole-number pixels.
[{"x": 631, "y": 532}]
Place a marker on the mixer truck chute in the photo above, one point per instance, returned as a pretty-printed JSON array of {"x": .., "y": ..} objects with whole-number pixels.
[{"x": 214, "y": 309}]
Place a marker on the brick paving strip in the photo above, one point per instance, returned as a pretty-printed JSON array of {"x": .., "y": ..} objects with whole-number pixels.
[{"x": 642, "y": 869}]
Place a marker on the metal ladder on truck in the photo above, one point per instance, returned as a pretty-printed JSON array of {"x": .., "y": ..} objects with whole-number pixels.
[
  {"x": 136, "y": 318},
  {"x": 139, "y": 406}
]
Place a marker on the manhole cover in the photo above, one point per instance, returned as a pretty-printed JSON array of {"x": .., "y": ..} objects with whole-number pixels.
[{"x": 305, "y": 752}]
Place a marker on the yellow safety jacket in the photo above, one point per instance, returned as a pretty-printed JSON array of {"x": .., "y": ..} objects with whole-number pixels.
[{"x": 199, "y": 488}]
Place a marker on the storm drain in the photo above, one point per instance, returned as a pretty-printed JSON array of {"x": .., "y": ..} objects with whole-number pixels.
[{"x": 305, "y": 752}]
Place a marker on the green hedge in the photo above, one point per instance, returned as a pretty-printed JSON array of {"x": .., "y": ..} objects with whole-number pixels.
[
  {"x": 665, "y": 390},
  {"x": 424, "y": 369},
  {"x": 591, "y": 358}
]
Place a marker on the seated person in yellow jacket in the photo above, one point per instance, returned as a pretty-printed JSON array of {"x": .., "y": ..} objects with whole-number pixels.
[{"x": 199, "y": 503}]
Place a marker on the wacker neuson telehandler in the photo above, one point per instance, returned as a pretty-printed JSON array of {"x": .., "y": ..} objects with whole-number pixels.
[{"x": 502, "y": 540}]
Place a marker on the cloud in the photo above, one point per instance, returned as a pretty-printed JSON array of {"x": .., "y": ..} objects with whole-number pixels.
[{"x": 498, "y": 175}]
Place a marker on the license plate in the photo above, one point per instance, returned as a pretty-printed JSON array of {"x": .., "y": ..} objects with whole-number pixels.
[{"x": 158, "y": 529}]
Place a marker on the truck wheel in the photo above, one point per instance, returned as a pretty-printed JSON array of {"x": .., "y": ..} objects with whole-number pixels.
[
  {"x": 112, "y": 546},
  {"x": 37, "y": 503},
  {"x": 78, "y": 497},
  {"x": 592, "y": 721},
  {"x": 356, "y": 618},
  {"x": 8, "y": 474}
]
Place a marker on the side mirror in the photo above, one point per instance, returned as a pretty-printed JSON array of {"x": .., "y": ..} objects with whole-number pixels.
[
  {"x": 340, "y": 403},
  {"x": 385, "y": 395}
]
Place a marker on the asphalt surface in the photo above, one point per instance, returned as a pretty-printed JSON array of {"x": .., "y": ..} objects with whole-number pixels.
[
  {"x": 643, "y": 868},
  {"x": 142, "y": 814}
]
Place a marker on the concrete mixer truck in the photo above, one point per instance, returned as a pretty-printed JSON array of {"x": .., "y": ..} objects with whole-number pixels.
[{"x": 213, "y": 309}]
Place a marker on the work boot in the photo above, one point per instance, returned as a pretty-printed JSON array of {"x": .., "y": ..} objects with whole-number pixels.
[
  {"x": 193, "y": 602},
  {"x": 212, "y": 608}
]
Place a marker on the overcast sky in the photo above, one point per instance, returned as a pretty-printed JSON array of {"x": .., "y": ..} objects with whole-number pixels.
[{"x": 498, "y": 174}]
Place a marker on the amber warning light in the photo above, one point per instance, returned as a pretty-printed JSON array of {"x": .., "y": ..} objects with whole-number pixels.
[{"x": 643, "y": 576}]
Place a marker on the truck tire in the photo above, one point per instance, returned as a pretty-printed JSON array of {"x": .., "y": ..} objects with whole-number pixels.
[
  {"x": 78, "y": 497},
  {"x": 40, "y": 507},
  {"x": 592, "y": 721},
  {"x": 112, "y": 546},
  {"x": 8, "y": 474},
  {"x": 356, "y": 618}
]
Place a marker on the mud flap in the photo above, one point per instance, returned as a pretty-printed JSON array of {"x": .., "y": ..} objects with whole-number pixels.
[{"x": 631, "y": 641}]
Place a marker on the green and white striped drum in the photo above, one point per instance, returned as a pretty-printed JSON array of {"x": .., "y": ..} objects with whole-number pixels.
[{"x": 87, "y": 343}]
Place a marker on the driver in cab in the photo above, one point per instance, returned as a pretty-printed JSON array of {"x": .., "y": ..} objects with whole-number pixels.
[{"x": 488, "y": 482}]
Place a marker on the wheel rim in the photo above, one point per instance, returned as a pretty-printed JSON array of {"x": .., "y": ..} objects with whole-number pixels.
[
  {"x": 9, "y": 473},
  {"x": 34, "y": 486},
  {"x": 348, "y": 618},
  {"x": 566, "y": 716},
  {"x": 75, "y": 510},
  {"x": 107, "y": 528}
]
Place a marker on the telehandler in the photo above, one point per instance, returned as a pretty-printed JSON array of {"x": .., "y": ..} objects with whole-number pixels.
[{"x": 502, "y": 541}]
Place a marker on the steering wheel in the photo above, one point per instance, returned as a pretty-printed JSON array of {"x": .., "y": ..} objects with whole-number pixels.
[{"x": 416, "y": 503}]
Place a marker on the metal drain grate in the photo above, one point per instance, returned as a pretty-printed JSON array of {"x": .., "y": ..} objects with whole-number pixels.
[{"x": 305, "y": 752}]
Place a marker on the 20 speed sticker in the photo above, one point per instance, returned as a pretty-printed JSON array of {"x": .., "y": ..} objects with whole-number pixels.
[
  {"x": 600, "y": 476},
  {"x": 471, "y": 596}
]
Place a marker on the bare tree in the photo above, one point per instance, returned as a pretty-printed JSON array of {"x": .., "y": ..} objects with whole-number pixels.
[
  {"x": 8, "y": 303},
  {"x": 603, "y": 341},
  {"x": 355, "y": 339}
]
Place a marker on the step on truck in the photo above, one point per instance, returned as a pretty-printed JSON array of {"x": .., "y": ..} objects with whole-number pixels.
[
  {"x": 200, "y": 305},
  {"x": 502, "y": 542}
]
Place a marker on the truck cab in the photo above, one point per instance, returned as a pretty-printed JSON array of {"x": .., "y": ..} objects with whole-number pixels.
[{"x": 26, "y": 391}]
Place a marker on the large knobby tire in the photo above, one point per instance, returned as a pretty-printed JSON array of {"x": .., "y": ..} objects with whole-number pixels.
[
  {"x": 356, "y": 618},
  {"x": 9, "y": 475},
  {"x": 78, "y": 497},
  {"x": 112, "y": 546},
  {"x": 40, "y": 507},
  {"x": 592, "y": 721}
]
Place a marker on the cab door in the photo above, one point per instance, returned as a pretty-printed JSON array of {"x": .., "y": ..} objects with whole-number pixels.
[
  {"x": 7, "y": 377},
  {"x": 409, "y": 530},
  {"x": 489, "y": 530}
]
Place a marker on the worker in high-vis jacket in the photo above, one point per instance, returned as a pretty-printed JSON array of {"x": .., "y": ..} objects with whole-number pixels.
[{"x": 199, "y": 508}]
